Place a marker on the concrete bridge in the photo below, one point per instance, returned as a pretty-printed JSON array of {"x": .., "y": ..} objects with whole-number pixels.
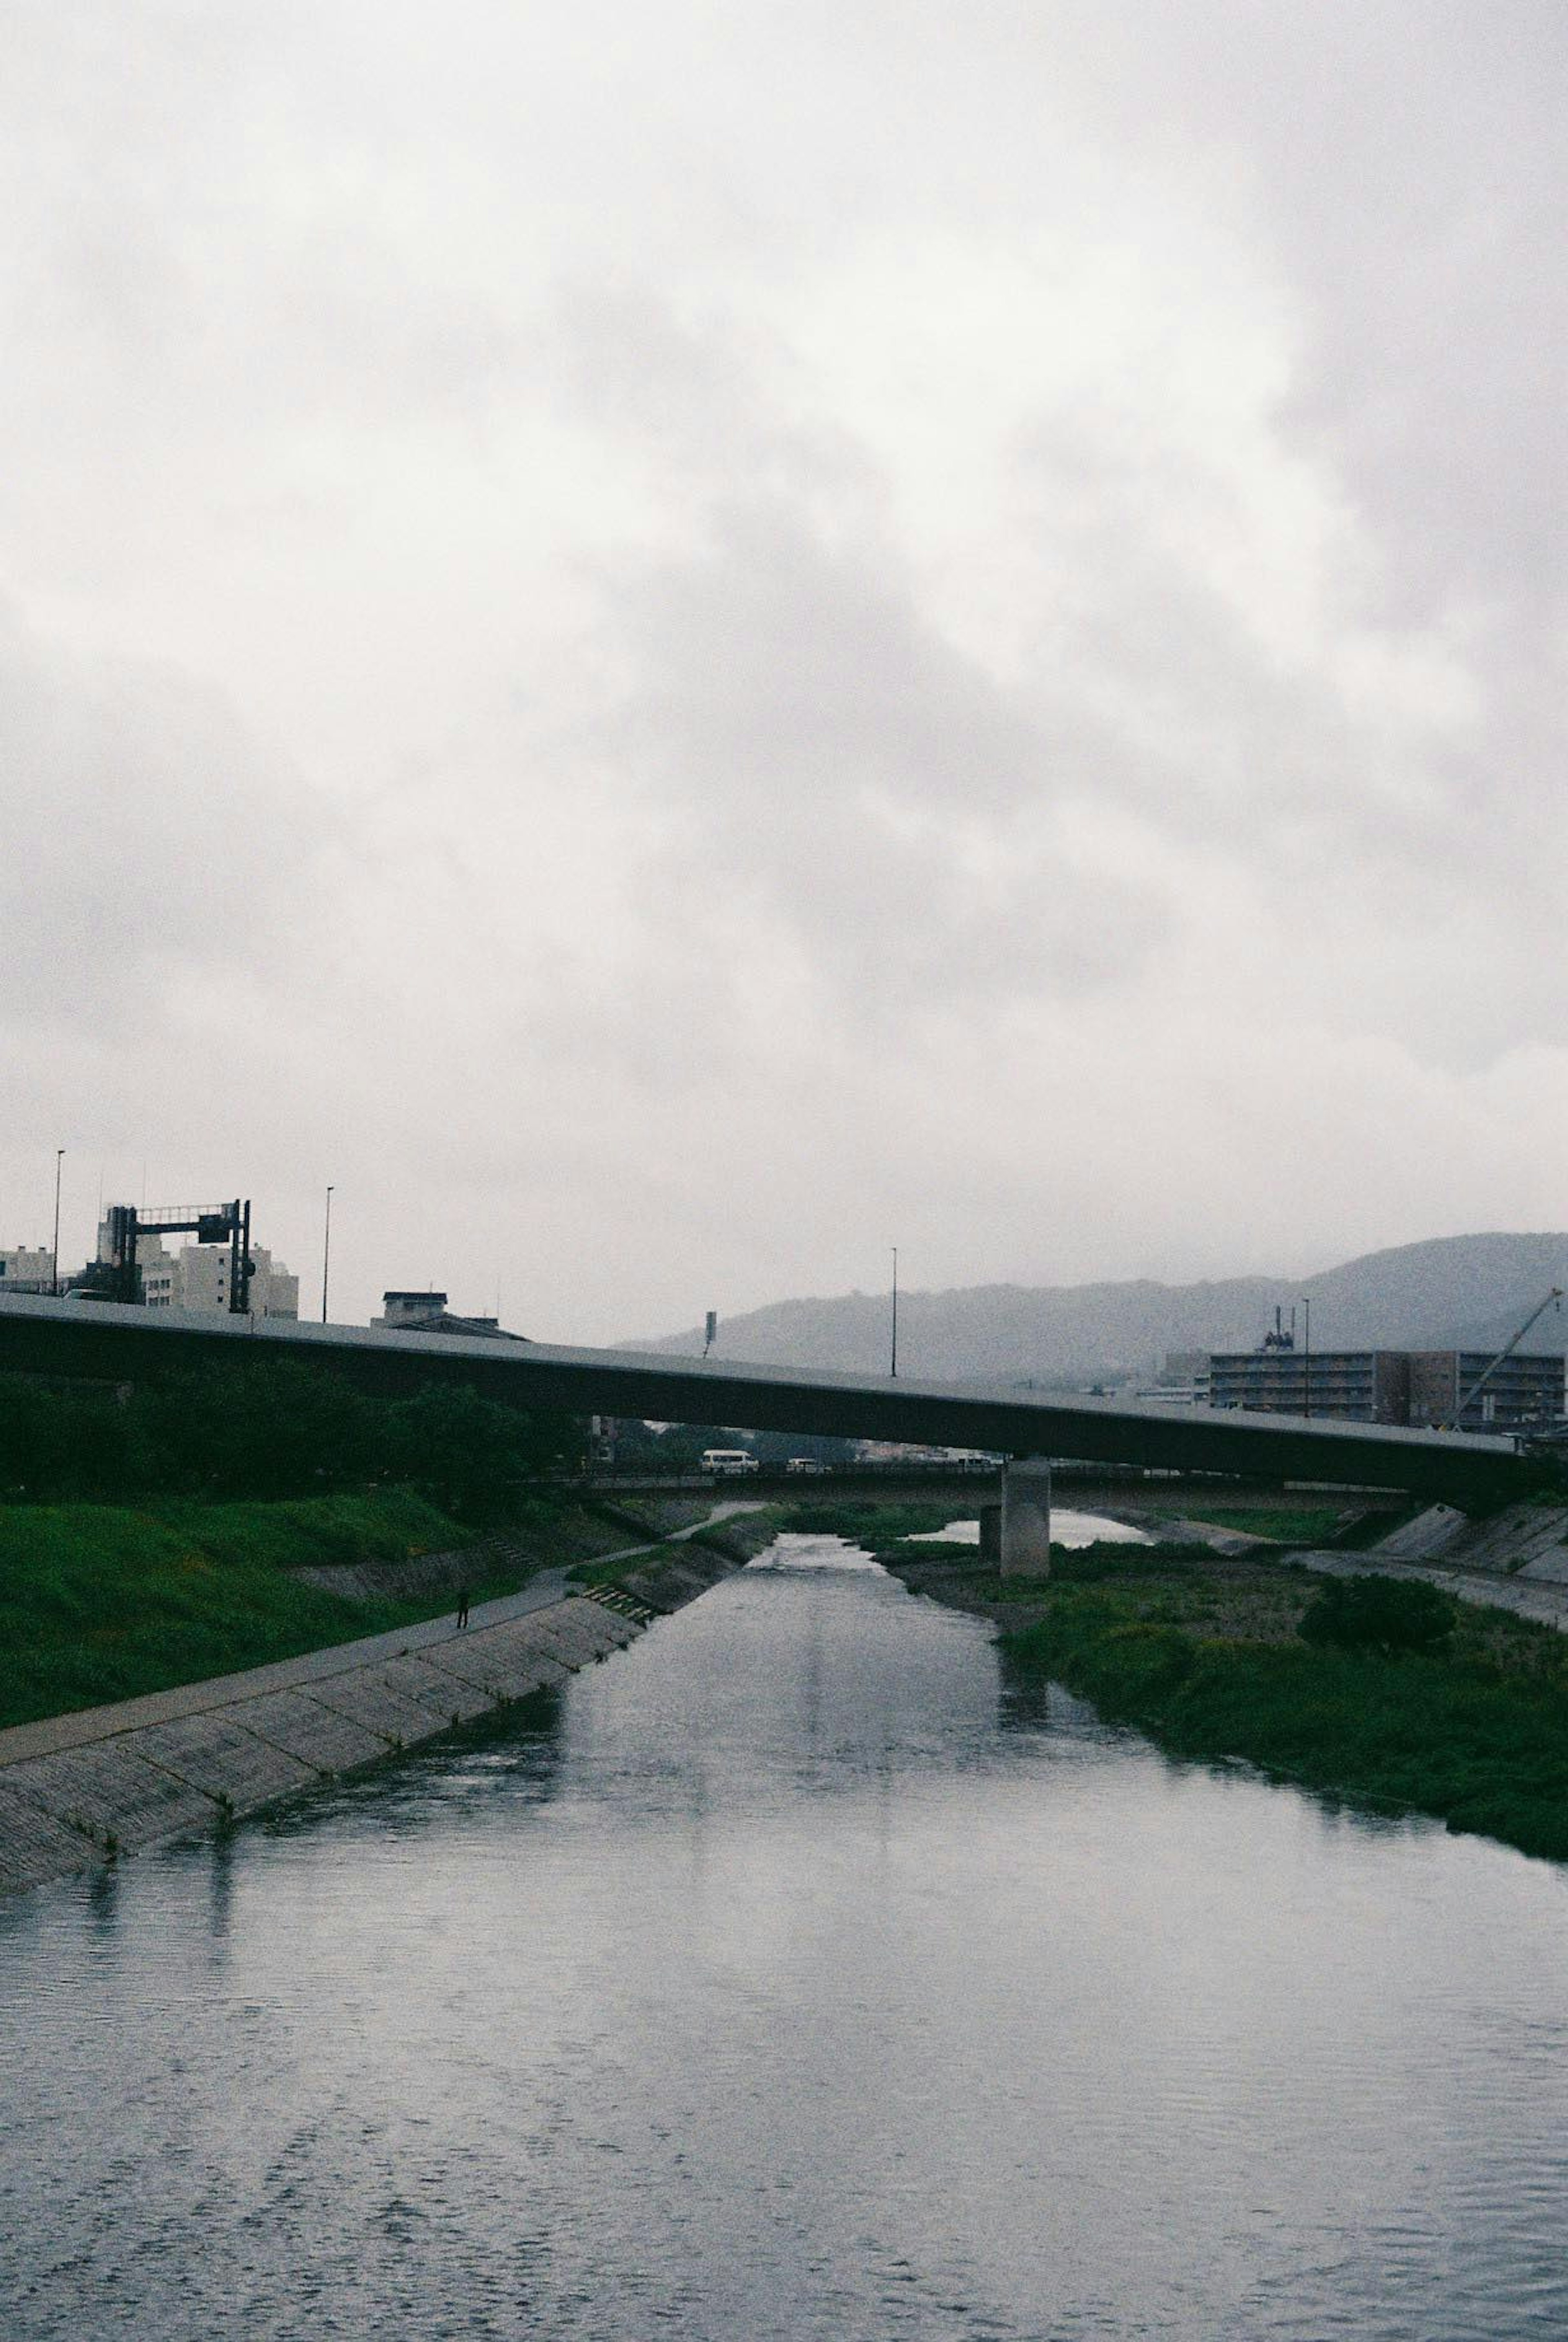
[
  {"x": 1088, "y": 1485},
  {"x": 123, "y": 1344},
  {"x": 887, "y": 1483}
]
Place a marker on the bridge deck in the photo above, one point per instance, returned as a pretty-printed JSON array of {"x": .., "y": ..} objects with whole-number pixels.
[{"x": 119, "y": 1344}]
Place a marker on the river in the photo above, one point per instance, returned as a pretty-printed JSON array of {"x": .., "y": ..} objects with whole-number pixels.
[{"x": 795, "y": 1974}]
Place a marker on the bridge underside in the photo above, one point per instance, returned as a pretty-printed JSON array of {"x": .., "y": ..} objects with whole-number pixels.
[{"x": 127, "y": 1344}]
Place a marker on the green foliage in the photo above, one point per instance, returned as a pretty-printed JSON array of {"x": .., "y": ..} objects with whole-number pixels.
[
  {"x": 1206, "y": 1659},
  {"x": 1282, "y": 1524},
  {"x": 675, "y": 1446},
  {"x": 614, "y": 1573},
  {"x": 735, "y": 1539},
  {"x": 1379, "y": 1614},
  {"x": 267, "y": 1428},
  {"x": 98, "y": 1602},
  {"x": 773, "y": 1448},
  {"x": 1152, "y": 1659},
  {"x": 392, "y": 1525},
  {"x": 1088, "y": 1565},
  {"x": 270, "y": 1429},
  {"x": 876, "y": 1526},
  {"x": 464, "y": 1451}
]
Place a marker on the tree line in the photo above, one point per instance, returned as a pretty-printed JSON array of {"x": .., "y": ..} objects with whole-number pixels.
[{"x": 270, "y": 1428}]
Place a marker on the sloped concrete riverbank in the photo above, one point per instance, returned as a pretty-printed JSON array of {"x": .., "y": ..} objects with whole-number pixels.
[{"x": 89, "y": 1787}]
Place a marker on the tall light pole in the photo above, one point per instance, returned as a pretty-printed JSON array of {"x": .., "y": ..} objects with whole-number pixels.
[
  {"x": 1306, "y": 1376},
  {"x": 325, "y": 1253},
  {"x": 54, "y": 1254},
  {"x": 895, "y": 1310}
]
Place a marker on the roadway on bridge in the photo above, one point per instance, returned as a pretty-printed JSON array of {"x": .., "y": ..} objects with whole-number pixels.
[{"x": 121, "y": 1343}]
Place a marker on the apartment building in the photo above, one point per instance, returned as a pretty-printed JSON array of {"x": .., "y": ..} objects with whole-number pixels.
[
  {"x": 1525, "y": 1393},
  {"x": 1342, "y": 1385},
  {"x": 197, "y": 1277}
]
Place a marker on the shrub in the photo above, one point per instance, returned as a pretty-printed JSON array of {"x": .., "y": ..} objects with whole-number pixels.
[{"x": 1379, "y": 1614}]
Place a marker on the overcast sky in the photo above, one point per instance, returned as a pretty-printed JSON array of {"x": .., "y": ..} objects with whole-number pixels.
[{"x": 677, "y": 643}]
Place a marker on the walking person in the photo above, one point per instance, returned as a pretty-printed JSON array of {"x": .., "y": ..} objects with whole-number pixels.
[{"x": 463, "y": 1606}]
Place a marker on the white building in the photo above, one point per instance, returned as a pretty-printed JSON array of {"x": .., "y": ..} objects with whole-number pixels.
[
  {"x": 28, "y": 1269},
  {"x": 197, "y": 1276}
]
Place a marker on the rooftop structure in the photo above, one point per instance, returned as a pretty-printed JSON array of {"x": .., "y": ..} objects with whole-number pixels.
[
  {"x": 426, "y": 1313},
  {"x": 27, "y": 1269}
]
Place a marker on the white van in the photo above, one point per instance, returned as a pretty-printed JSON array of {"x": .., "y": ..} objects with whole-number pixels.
[{"x": 728, "y": 1463}]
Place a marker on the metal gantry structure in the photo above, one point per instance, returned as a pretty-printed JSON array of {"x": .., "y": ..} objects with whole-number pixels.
[{"x": 209, "y": 1224}]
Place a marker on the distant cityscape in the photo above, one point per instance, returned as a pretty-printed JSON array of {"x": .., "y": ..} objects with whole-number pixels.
[
  {"x": 1462, "y": 1390},
  {"x": 1509, "y": 1391},
  {"x": 197, "y": 1278}
]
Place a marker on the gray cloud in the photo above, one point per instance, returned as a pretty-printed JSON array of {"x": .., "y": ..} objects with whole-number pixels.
[
  {"x": 948, "y": 623},
  {"x": 153, "y": 839},
  {"x": 823, "y": 748}
]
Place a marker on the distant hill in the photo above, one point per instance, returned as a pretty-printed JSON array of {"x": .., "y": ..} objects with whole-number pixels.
[{"x": 1455, "y": 1291}]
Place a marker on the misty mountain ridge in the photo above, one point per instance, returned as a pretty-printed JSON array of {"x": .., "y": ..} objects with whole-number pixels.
[{"x": 1470, "y": 1292}]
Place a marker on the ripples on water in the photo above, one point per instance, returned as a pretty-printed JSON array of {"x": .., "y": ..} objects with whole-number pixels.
[{"x": 792, "y": 1977}]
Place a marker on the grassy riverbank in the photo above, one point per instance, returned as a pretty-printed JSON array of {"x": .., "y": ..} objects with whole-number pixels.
[
  {"x": 737, "y": 1539},
  {"x": 1204, "y": 1654},
  {"x": 104, "y": 1602}
]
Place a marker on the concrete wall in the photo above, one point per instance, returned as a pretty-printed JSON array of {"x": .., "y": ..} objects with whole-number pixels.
[{"x": 130, "y": 1788}]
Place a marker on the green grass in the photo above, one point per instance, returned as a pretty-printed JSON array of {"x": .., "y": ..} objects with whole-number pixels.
[
  {"x": 1204, "y": 1656},
  {"x": 103, "y": 1602},
  {"x": 393, "y": 1525},
  {"x": 613, "y": 1573},
  {"x": 735, "y": 1539}
]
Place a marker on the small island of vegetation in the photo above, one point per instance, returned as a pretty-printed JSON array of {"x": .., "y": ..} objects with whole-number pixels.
[{"x": 1377, "y": 1690}]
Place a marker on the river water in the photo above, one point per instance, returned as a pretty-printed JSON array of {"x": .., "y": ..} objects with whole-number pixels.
[{"x": 792, "y": 1974}]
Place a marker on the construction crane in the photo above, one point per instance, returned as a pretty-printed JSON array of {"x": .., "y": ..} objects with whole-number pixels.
[{"x": 1486, "y": 1374}]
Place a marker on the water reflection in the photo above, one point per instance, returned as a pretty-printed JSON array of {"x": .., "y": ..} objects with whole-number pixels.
[
  {"x": 104, "y": 1901},
  {"x": 792, "y": 1974},
  {"x": 221, "y": 1889}
]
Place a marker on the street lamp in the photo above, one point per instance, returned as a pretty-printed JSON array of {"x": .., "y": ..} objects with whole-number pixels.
[
  {"x": 325, "y": 1253},
  {"x": 1306, "y": 1375},
  {"x": 54, "y": 1254},
  {"x": 895, "y": 1311}
]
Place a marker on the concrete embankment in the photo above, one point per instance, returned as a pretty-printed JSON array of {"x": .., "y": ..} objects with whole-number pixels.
[
  {"x": 1516, "y": 1560},
  {"x": 90, "y": 1786}
]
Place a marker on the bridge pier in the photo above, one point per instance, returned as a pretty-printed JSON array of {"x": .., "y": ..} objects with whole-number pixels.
[{"x": 1024, "y": 1527}]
